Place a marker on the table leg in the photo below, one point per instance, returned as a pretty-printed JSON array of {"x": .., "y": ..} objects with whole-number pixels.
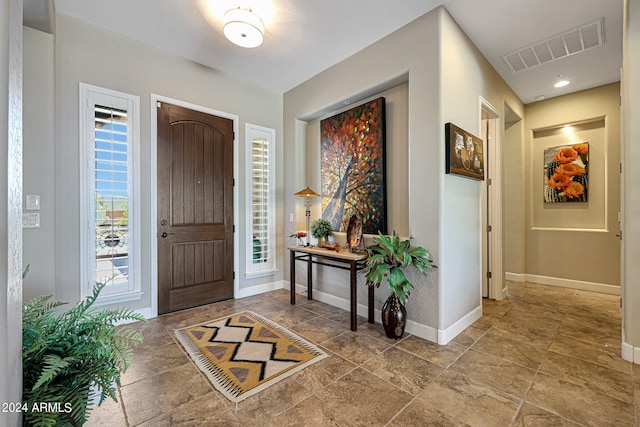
[
  {"x": 371, "y": 304},
  {"x": 292, "y": 276},
  {"x": 354, "y": 297},
  {"x": 309, "y": 277}
]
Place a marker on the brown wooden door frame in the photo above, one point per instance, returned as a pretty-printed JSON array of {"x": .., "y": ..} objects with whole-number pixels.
[{"x": 155, "y": 99}]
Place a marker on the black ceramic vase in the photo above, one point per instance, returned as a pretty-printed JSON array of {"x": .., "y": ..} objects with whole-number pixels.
[{"x": 394, "y": 317}]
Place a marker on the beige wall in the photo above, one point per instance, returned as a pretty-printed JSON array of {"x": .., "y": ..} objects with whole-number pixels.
[
  {"x": 396, "y": 98},
  {"x": 514, "y": 194},
  {"x": 446, "y": 78},
  {"x": 631, "y": 178},
  {"x": 558, "y": 233},
  {"x": 92, "y": 55},
  {"x": 39, "y": 144},
  {"x": 465, "y": 77},
  {"x": 10, "y": 209},
  {"x": 364, "y": 75}
]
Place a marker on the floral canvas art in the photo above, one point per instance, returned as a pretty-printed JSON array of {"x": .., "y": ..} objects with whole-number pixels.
[
  {"x": 352, "y": 148},
  {"x": 566, "y": 170}
]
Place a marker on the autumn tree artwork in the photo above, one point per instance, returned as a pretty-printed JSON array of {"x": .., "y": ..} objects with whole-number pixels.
[
  {"x": 566, "y": 173},
  {"x": 353, "y": 167}
]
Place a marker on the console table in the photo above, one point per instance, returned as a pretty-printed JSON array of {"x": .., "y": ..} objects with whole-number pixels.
[{"x": 344, "y": 260}]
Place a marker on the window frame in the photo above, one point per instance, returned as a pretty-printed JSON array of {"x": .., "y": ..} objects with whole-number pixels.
[
  {"x": 254, "y": 270},
  {"x": 90, "y": 96}
]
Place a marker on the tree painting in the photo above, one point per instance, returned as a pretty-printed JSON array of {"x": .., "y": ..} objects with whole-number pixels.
[{"x": 352, "y": 170}]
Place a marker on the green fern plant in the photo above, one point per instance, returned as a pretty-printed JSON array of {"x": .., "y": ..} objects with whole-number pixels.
[
  {"x": 70, "y": 357},
  {"x": 389, "y": 257}
]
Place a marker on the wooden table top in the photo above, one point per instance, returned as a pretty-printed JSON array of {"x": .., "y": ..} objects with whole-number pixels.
[{"x": 341, "y": 254}]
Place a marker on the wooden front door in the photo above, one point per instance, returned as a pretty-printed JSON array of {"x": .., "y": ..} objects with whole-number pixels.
[{"x": 195, "y": 208}]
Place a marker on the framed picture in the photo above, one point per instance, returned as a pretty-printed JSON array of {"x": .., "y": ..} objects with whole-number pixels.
[
  {"x": 352, "y": 149},
  {"x": 566, "y": 173},
  {"x": 464, "y": 153}
]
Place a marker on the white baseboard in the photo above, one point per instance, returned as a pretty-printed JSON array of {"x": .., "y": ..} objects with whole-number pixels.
[
  {"x": 628, "y": 351},
  {"x": 564, "y": 283},
  {"x": 420, "y": 330},
  {"x": 515, "y": 277},
  {"x": 148, "y": 313},
  {"x": 446, "y": 335},
  {"x": 259, "y": 289}
]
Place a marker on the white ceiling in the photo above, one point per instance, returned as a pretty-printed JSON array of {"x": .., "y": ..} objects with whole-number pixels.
[
  {"x": 304, "y": 37},
  {"x": 500, "y": 27}
]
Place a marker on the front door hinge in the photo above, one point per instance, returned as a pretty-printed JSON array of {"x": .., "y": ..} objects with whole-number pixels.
[
  {"x": 488, "y": 275},
  {"x": 234, "y": 275},
  {"x": 488, "y": 181},
  {"x": 234, "y": 228},
  {"x": 158, "y": 104},
  {"x": 488, "y": 228}
]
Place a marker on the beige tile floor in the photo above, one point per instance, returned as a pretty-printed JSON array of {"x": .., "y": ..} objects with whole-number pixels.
[{"x": 546, "y": 356}]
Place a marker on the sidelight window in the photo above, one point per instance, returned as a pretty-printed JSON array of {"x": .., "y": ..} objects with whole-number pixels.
[
  {"x": 109, "y": 142},
  {"x": 261, "y": 229}
]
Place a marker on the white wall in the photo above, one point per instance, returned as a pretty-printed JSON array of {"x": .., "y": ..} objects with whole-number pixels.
[
  {"x": 38, "y": 152},
  {"x": 92, "y": 55},
  {"x": 10, "y": 212}
]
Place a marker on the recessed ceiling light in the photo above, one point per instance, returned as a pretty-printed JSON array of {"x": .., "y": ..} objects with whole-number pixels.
[
  {"x": 561, "y": 83},
  {"x": 540, "y": 98}
]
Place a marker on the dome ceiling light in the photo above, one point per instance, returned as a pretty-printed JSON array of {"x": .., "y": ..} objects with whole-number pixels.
[{"x": 243, "y": 28}]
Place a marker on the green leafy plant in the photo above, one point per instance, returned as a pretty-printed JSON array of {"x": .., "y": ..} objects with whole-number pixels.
[
  {"x": 70, "y": 357},
  {"x": 389, "y": 257},
  {"x": 321, "y": 228}
]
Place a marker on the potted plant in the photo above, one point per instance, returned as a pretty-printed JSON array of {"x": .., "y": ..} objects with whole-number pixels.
[
  {"x": 321, "y": 230},
  {"x": 387, "y": 259},
  {"x": 72, "y": 357}
]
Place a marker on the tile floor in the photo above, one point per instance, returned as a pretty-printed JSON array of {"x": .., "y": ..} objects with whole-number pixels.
[{"x": 546, "y": 356}]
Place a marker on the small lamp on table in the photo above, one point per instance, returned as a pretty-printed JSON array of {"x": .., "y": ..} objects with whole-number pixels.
[{"x": 308, "y": 193}]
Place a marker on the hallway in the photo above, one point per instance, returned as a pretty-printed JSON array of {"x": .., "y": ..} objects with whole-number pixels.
[{"x": 544, "y": 356}]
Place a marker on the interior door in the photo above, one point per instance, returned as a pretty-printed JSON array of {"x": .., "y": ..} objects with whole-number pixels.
[{"x": 195, "y": 208}]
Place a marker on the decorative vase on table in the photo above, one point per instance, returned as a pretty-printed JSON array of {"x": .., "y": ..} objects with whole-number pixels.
[{"x": 394, "y": 317}]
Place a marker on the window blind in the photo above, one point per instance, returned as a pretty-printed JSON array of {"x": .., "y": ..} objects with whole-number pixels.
[
  {"x": 111, "y": 195},
  {"x": 260, "y": 183}
]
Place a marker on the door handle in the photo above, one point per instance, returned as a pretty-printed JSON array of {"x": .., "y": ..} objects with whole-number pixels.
[{"x": 164, "y": 235}]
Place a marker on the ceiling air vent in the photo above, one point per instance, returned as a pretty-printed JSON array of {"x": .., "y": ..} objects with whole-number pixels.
[{"x": 569, "y": 43}]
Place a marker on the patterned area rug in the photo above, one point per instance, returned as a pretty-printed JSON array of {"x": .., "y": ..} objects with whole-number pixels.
[{"x": 245, "y": 353}]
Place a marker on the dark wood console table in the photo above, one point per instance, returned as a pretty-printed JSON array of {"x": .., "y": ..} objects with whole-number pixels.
[{"x": 353, "y": 262}]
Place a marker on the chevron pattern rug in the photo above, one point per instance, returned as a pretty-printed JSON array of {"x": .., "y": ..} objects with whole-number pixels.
[{"x": 245, "y": 353}]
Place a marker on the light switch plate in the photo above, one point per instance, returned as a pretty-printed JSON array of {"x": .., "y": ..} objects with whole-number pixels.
[
  {"x": 30, "y": 220},
  {"x": 33, "y": 203}
]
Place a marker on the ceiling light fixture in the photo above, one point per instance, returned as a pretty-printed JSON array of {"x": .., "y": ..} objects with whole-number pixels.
[
  {"x": 243, "y": 27},
  {"x": 561, "y": 83}
]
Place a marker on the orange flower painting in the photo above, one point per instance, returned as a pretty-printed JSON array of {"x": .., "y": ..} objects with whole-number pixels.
[{"x": 565, "y": 172}]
